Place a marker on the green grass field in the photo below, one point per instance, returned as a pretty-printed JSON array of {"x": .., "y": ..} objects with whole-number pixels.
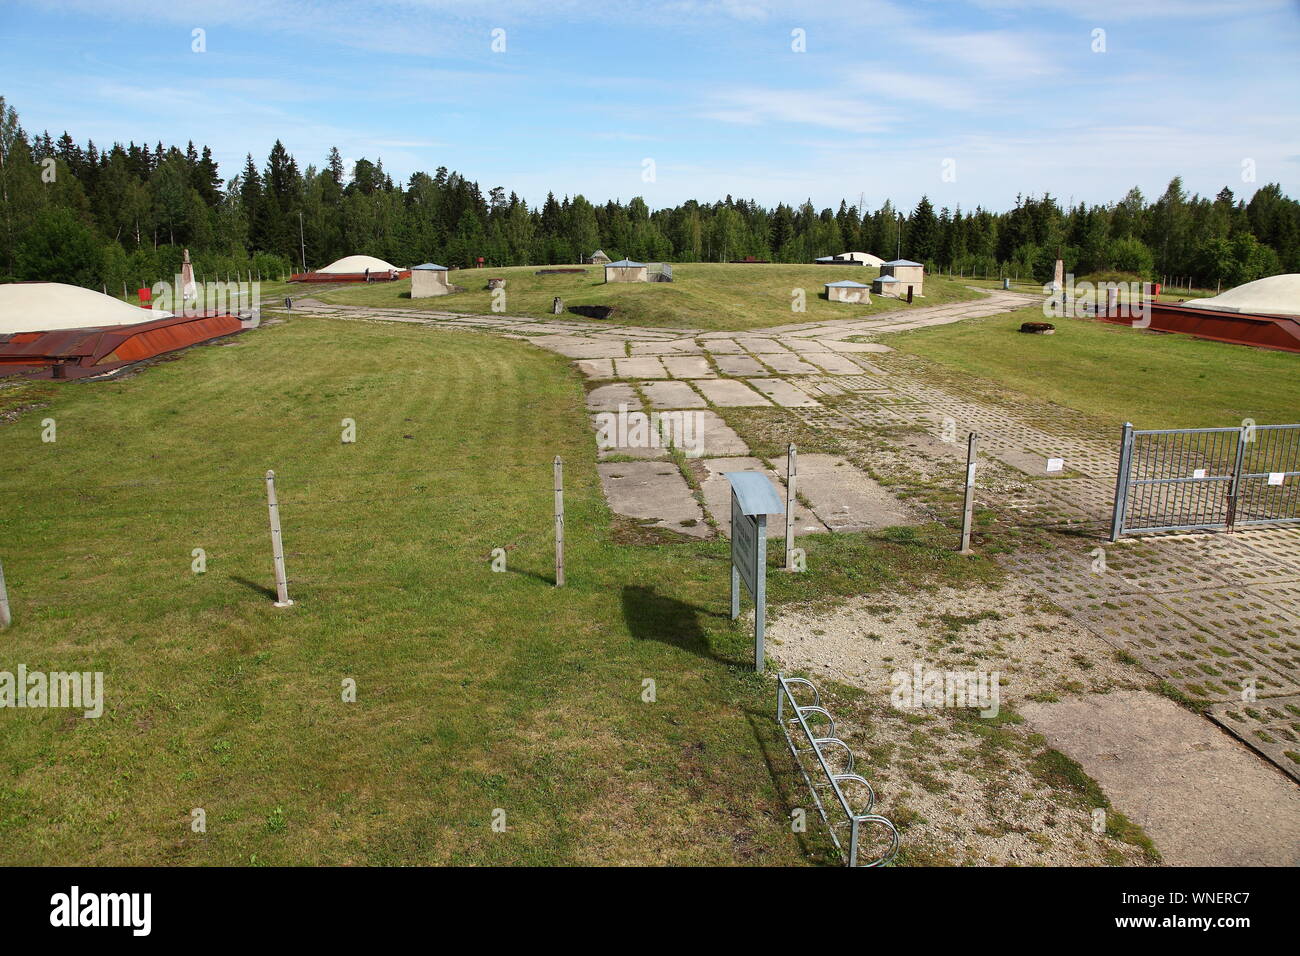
[
  {"x": 702, "y": 295},
  {"x": 475, "y": 690},
  {"x": 1118, "y": 373}
]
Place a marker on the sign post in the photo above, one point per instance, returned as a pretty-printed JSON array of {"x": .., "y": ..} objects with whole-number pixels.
[{"x": 752, "y": 499}]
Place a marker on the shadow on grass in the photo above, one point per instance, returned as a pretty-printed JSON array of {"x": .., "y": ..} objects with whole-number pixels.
[
  {"x": 791, "y": 790},
  {"x": 547, "y": 579},
  {"x": 652, "y": 616},
  {"x": 262, "y": 588}
]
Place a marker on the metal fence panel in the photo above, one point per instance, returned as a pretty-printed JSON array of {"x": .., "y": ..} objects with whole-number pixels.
[
  {"x": 1184, "y": 479},
  {"x": 1273, "y": 456}
]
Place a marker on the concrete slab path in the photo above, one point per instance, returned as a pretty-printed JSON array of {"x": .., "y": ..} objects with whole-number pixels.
[
  {"x": 717, "y": 499},
  {"x": 1203, "y": 798},
  {"x": 783, "y": 393},
  {"x": 653, "y": 493},
  {"x": 729, "y": 393},
  {"x": 845, "y": 498}
]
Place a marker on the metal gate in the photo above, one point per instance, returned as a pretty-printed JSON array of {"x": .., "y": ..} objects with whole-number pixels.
[{"x": 1184, "y": 479}]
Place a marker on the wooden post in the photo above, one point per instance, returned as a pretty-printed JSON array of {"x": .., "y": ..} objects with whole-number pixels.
[
  {"x": 559, "y": 522},
  {"x": 277, "y": 543},
  {"x": 968, "y": 511},
  {"x": 5, "y": 617},
  {"x": 791, "y": 471}
]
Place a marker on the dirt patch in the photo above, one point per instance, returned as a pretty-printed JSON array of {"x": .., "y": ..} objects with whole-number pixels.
[
  {"x": 1013, "y": 630},
  {"x": 964, "y": 788}
]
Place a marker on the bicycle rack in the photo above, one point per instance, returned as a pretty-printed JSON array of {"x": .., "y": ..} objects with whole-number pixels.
[{"x": 822, "y": 745}]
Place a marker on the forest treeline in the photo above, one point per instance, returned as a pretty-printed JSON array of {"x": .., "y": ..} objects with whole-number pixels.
[{"x": 119, "y": 215}]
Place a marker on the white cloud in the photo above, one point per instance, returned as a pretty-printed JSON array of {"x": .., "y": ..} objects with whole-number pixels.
[
  {"x": 927, "y": 88},
  {"x": 1098, "y": 10},
  {"x": 828, "y": 108},
  {"x": 988, "y": 54}
]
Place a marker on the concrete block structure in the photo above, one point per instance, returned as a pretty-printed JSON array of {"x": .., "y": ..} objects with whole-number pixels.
[
  {"x": 625, "y": 270},
  {"x": 847, "y": 290},
  {"x": 888, "y": 285},
  {"x": 908, "y": 273},
  {"x": 429, "y": 280}
]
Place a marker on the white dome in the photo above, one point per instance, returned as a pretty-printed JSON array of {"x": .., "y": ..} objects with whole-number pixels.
[
  {"x": 1274, "y": 295},
  {"x": 50, "y": 306},
  {"x": 351, "y": 264}
]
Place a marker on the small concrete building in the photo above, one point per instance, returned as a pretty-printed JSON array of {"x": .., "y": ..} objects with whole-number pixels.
[
  {"x": 887, "y": 285},
  {"x": 429, "y": 280},
  {"x": 851, "y": 259},
  {"x": 625, "y": 270},
  {"x": 908, "y": 273},
  {"x": 847, "y": 290},
  {"x": 597, "y": 258}
]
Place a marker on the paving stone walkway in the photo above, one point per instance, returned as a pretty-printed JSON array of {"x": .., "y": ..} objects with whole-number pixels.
[{"x": 1216, "y": 616}]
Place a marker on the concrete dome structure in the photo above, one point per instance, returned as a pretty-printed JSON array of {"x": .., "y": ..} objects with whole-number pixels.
[
  {"x": 52, "y": 330},
  {"x": 851, "y": 259},
  {"x": 349, "y": 265},
  {"x": 1274, "y": 295},
  {"x": 54, "y": 306}
]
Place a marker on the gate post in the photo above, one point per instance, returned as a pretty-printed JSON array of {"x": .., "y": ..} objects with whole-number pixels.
[
  {"x": 1121, "y": 482},
  {"x": 1234, "y": 486}
]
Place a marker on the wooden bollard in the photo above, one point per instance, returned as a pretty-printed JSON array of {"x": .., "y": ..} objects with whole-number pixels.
[
  {"x": 968, "y": 509},
  {"x": 277, "y": 544},
  {"x": 791, "y": 470},
  {"x": 559, "y": 522},
  {"x": 5, "y": 617}
]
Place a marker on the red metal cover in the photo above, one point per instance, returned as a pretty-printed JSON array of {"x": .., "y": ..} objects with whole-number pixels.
[
  {"x": 76, "y": 353},
  {"x": 1239, "y": 328}
]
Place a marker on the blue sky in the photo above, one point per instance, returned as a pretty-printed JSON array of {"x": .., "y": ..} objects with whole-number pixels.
[{"x": 1010, "y": 91}]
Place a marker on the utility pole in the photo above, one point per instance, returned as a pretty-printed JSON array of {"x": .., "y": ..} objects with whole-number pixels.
[
  {"x": 898, "y": 254},
  {"x": 302, "y": 239}
]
